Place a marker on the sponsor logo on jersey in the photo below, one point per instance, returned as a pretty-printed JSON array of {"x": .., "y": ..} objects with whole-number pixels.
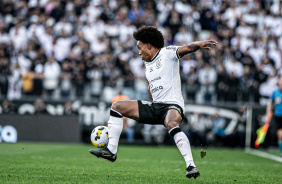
[
  {"x": 157, "y": 89},
  {"x": 155, "y": 79},
  {"x": 171, "y": 48},
  {"x": 158, "y": 63},
  {"x": 151, "y": 69},
  {"x": 277, "y": 100}
]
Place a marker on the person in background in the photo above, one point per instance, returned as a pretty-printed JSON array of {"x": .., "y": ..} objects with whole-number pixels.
[{"x": 276, "y": 100}]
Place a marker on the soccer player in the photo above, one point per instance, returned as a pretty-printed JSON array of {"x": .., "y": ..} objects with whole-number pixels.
[
  {"x": 167, "y": 107},
  {"x": 276, "y": 100}
]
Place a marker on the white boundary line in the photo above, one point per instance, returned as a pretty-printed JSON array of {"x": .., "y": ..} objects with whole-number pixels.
[{"x": 263, "y": 154}]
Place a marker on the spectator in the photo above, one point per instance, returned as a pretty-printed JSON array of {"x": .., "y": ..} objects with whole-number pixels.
[
  {"x": 246, "y": 85},
  {"x": 257, "y": 53},
  {"x": 217, "y": 134},
  {"x": 39, "y": 106},
  {"x": 232, "y": 14},
  {"x": 153, "y": 134},
  {"x": 199, "y": 127},
  {"x": 234, "y": 67},
  {"x": 207, "y": 80},
  {"x": 173, "y": 22},
  {"x": 164, "y": 7},
  {"x": 233, "y": 86},
  {"x": 65, "y": 79},
  {"x": 68, "y": 109},
  {"x": 57, "y": 11},
  {"x": 182, "y": 37},
  {"x": 267, "y": 87},
  {"x": 192, "y": 84},
  {"x": 15, "y": 85},
  {"x": 27, "y": 83},
  {"x": 22, "y": 60},
  {"x": 222, "y": 84},
  {"x": 140, "y": 83},
  {"x": 8, "y": 106},
  {"x": 5, "y": 72},
  {"x": 95, "y": 77},
  {"x": 128, "y": 81},
  {"x": 64, "y": 27},
  {"x": 38, "y": 77},
  {"x": 51, "y": 74},
  {"x": 18, "y": 37},
  {"x": 275, "y": 55},
  {"x": 241, "y": 127},
  {"x": 79, "y": 72},
  {"x": 136, "y": 13},
  {"x": 259, "y": 78}
]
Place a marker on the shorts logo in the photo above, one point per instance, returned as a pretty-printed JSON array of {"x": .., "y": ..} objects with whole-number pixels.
[
  {"x": 146, "y": 102},
  {"x": 158, "y": 63}
]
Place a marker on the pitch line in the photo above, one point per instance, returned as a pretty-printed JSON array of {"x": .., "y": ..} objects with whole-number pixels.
[{"x": 263, "y": 154}]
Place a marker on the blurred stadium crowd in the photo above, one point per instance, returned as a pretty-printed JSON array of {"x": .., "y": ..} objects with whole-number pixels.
[{"x": 84, "y": 49}]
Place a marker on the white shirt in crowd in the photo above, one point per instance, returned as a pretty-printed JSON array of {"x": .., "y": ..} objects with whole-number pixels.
[
  {"x": 51, "y": 73},
  {"x": 236, "y": 67},
  {"x": 62, "y": 48},
  {"x": 18, "y": 37},
  {"x": 257, "y": 54}
]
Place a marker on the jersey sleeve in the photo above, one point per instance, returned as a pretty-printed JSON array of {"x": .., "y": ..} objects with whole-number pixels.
[
  {"x": 171, "y": 52},
  {"x": 272, "y": 96}
]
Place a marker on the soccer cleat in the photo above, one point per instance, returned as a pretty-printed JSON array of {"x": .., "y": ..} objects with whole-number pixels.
[
  {"x": 192, "y": 172},
  {"x": 104, "y": 153}
]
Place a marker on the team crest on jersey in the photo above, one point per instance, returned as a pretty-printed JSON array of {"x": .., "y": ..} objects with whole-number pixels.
[
  {"x": 277, "y": 100},
  {"x": 158, "y": 63}
]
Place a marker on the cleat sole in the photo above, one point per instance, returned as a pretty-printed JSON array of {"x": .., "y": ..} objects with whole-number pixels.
[{"x": 194, "y": 175}]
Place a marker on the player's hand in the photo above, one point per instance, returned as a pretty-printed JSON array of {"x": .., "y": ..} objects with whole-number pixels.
[{"x": 205, "y": 44}]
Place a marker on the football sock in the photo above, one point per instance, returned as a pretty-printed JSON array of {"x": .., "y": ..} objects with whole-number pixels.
[
  {"x": 183, "y": 145},
  {"x": 115, "y": 125},
  {"x": 280, "y": 146}
]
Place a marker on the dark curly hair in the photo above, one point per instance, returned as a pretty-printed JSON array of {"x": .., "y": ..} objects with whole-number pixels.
[{"x": 151, "y": 35}]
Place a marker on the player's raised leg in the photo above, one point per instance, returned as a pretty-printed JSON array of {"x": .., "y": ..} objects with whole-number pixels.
[
  {"x": 172, "y": 122},
  {"x": 127, "y": 108}
]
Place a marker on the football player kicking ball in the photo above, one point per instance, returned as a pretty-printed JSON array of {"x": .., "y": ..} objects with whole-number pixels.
[{"x": 167, "y": 108}]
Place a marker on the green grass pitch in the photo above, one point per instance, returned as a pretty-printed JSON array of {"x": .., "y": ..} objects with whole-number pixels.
[{"x": 72, "y": 163}]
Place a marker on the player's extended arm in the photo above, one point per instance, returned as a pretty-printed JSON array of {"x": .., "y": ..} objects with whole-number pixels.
[
  {"x": 149, "y": 92},
  {"x": 269, "y": 108},
  {"x": 194, "y": 46}
]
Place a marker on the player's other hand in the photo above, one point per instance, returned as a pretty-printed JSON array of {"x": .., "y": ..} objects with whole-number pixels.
[{"x": 205, "y": 44}]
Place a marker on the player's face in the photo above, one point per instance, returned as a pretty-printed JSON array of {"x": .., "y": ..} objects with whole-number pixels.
[{"x": 143, "y": 51}]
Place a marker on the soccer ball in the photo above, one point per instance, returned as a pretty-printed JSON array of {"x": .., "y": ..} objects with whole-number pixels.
[{"x": 99, "y": 136}]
